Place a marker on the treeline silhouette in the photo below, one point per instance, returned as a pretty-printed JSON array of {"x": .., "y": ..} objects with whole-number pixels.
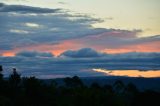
[{"x": 30, "y": 91}]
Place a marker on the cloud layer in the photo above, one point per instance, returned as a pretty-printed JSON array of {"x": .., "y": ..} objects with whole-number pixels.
[{"x": 44, "y": 64}]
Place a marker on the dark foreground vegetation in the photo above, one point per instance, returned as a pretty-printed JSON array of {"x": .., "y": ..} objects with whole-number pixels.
[{"x": 30, "y": 91}]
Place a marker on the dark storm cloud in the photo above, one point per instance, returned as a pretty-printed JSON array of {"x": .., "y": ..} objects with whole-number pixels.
[
  {"x": 25, "y": 9},
  {"x": 65, "y": 66}
]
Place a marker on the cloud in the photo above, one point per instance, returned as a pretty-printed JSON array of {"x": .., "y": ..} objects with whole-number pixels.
[
  {"x": 111, "y": 38},
  {"x": 34, "y": 54},
  {"x": 82, "y": 53},
  {"x": 19, "y": 31},
  {"x": 18, "y": 23},
  {"x": 44, "y": 64},
  {"x": 62, "y": 3},
  {"x": 25, "y": 9},
  {"x": 118, "y": 41}
]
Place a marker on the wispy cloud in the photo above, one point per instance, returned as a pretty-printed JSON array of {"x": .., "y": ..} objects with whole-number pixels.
[
  {"x": 25, "y": 9},
  {"x": 42, "y": 28}
]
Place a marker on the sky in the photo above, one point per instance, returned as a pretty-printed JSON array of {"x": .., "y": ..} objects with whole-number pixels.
[{"x": 60, "y": 32}]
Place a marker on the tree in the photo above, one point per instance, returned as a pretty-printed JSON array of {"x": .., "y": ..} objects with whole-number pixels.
[
  {"x": 77, "y": 81},
  {"x": 1, "y": 69},
  {"x": 1, "y": 75},
  {"x": 95, "y": 85},
  {"x": 1, "y": 80},
  {"x": 15, "y": 79},
  {"x": 119, "y": 86},
  {"x": 131, "y": 88},
  {"x": 73, "y": 82},
  {"x": 35, "y": 91}
]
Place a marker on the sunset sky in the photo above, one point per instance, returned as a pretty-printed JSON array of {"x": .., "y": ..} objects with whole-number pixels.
[
  {"x": 133, "y": 24},
  {"x": 78, "y": 28}
]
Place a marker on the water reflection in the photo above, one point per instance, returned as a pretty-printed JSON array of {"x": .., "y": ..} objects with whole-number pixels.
[{"x": 130, "y": 73}]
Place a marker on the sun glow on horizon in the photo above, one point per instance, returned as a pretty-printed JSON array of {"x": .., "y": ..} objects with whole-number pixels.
[
  {"x": 130, "y": 73},
  {"x": 8, "y": 54}
]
